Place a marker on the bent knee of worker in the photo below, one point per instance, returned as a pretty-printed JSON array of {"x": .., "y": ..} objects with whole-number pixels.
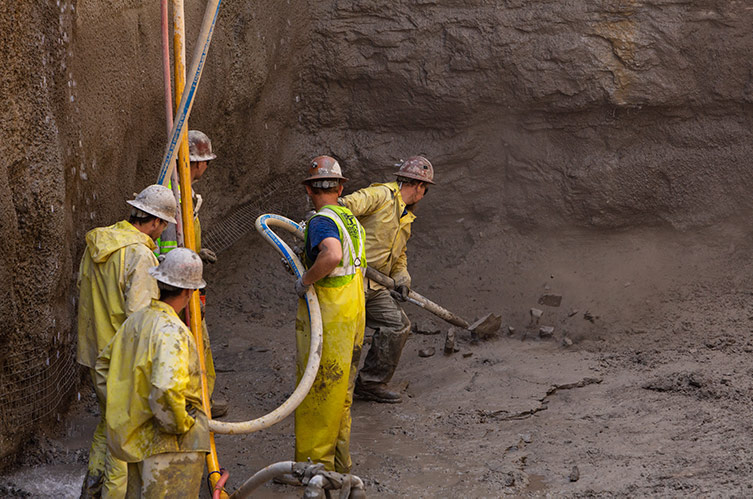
[{"x": 388, "y": 320}]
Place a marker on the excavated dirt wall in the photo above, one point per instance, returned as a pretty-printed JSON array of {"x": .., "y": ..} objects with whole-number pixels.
[{"x": 537, "y": 115}]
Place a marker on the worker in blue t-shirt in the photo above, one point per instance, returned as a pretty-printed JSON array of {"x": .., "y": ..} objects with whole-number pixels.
[{"x": 335, "y": 259}]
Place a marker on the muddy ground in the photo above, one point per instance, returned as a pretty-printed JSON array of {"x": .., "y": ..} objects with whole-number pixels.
[{"x": 651, "y": 398}]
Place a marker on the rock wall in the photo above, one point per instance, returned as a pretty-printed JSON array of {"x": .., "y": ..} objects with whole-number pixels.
[
  {"x": 601, "y": 114},
  {"x": 37, "y": 372},
  {"x": 537, "y": 115}
]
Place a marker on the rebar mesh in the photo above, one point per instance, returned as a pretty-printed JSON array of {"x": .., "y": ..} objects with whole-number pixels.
[
  {"x": 36, "y": 380},
  {"x": 276, "y": 199}
]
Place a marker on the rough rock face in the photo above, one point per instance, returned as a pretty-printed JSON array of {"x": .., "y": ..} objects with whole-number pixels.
[
  {"x": 564, "y": 113},
  {"x": 36, "y": 367},
  {"x": 605, "y": 114}
]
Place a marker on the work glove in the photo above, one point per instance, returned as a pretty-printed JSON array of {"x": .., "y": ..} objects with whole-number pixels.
[
  {"x": 300, "y": 288},
  {"x": 207, "y": 255},
  {"x": 400, "y": 293}
]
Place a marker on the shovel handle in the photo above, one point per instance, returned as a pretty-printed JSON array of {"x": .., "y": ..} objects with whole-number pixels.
[{"x": 418, "y": 299}]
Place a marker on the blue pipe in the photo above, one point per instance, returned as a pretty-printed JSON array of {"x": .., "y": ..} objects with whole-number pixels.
[{"x": 186, "y": 100}]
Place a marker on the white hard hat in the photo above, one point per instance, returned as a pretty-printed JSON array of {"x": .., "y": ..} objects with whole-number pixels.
[
  {"x": 199, "y": 146},
  {"x": 181, "y": 268},
  {"x": 156, "y": 200}
]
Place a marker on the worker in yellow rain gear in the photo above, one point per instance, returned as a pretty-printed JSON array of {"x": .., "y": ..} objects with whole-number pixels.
[
  {"x": 113, "y": 283},
  {"x": 335, "y": 261},
  {"x": 200, "y": 154},
  {"x": 386, "y": 212},
  {"x": 150, "y": 377}
]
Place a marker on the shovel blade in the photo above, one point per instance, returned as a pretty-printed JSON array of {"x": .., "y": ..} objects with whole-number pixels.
[{"x": 486, "y": 326}]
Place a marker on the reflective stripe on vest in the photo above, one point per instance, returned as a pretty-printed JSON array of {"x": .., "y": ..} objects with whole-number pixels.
[{"x": 355, "y": 258}]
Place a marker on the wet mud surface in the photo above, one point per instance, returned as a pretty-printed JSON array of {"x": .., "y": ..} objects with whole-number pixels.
[{"x": 649, "y": 396}]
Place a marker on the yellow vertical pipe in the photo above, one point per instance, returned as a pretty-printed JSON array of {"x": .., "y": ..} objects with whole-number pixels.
[
  {"x": 194, "y": 314},
  {"x": 179, "y": 56},
  {"x": 189, "y": 237}
]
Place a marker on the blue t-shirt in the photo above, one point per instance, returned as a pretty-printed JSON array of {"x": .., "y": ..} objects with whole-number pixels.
[{"x": 319, "y": 229}]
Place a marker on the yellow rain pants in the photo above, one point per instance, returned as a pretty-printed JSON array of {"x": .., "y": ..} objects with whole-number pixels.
[
  {"x": 113, "y": 283},
  {"x": 169, "y": 475},
  {"x": 322, "y": 421}
]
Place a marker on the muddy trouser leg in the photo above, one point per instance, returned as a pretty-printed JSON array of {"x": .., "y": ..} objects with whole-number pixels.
[
  {"x": 167, "y": 475},
  {"x": 133, "y": 490},
  {"x": 105, "y": 475},
  {"x": 95, "y": 472},
  {"x": 208, "y": 358},
  {"x": 318, "y": 417},
  {"x": 391, "y": 329},
  {"x": 116, "y": 477},
  {"x": 343, "y": 463}
]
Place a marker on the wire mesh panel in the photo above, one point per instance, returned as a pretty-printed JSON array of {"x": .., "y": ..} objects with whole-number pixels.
[
  {"x": 276, "y": 199},
  {"x": 34, "y": 382}
]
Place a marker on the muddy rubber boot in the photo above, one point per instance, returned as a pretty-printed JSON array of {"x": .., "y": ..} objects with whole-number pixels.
[
  {"x": 219, "y": 406},
  {"x": 377, "y": 393}
]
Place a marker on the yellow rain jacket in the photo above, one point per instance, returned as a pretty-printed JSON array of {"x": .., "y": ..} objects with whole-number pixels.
[
  {"x": 322, "y": 421},
  {"x": 380, "y": 208},
  {"x": 153, "y": 387},
  {"x": 113, "y": 283}
]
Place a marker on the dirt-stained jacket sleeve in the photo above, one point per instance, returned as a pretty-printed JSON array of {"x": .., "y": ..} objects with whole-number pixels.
[
  {"x": 140, "y": 287},
  {"x": 170, "y": 378},
  {"x": 366, "y": 201},
  {"x": 400, "y": 270}
]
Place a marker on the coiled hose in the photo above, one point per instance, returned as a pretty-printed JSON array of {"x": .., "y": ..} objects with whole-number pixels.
[{"x": 263, "y": 224}]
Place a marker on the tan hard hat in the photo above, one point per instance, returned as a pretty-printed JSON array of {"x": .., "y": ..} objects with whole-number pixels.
[
  {"x": 418, "y": 168},
  {"x": 199, "y": 146},
  {"x": 181, "y": 268},
  {"x": 324, "y": 167},
  {"x": 156, "y": 200}
]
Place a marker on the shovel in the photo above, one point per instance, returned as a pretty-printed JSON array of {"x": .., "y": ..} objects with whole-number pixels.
[{"x": 484, "y": 327}]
